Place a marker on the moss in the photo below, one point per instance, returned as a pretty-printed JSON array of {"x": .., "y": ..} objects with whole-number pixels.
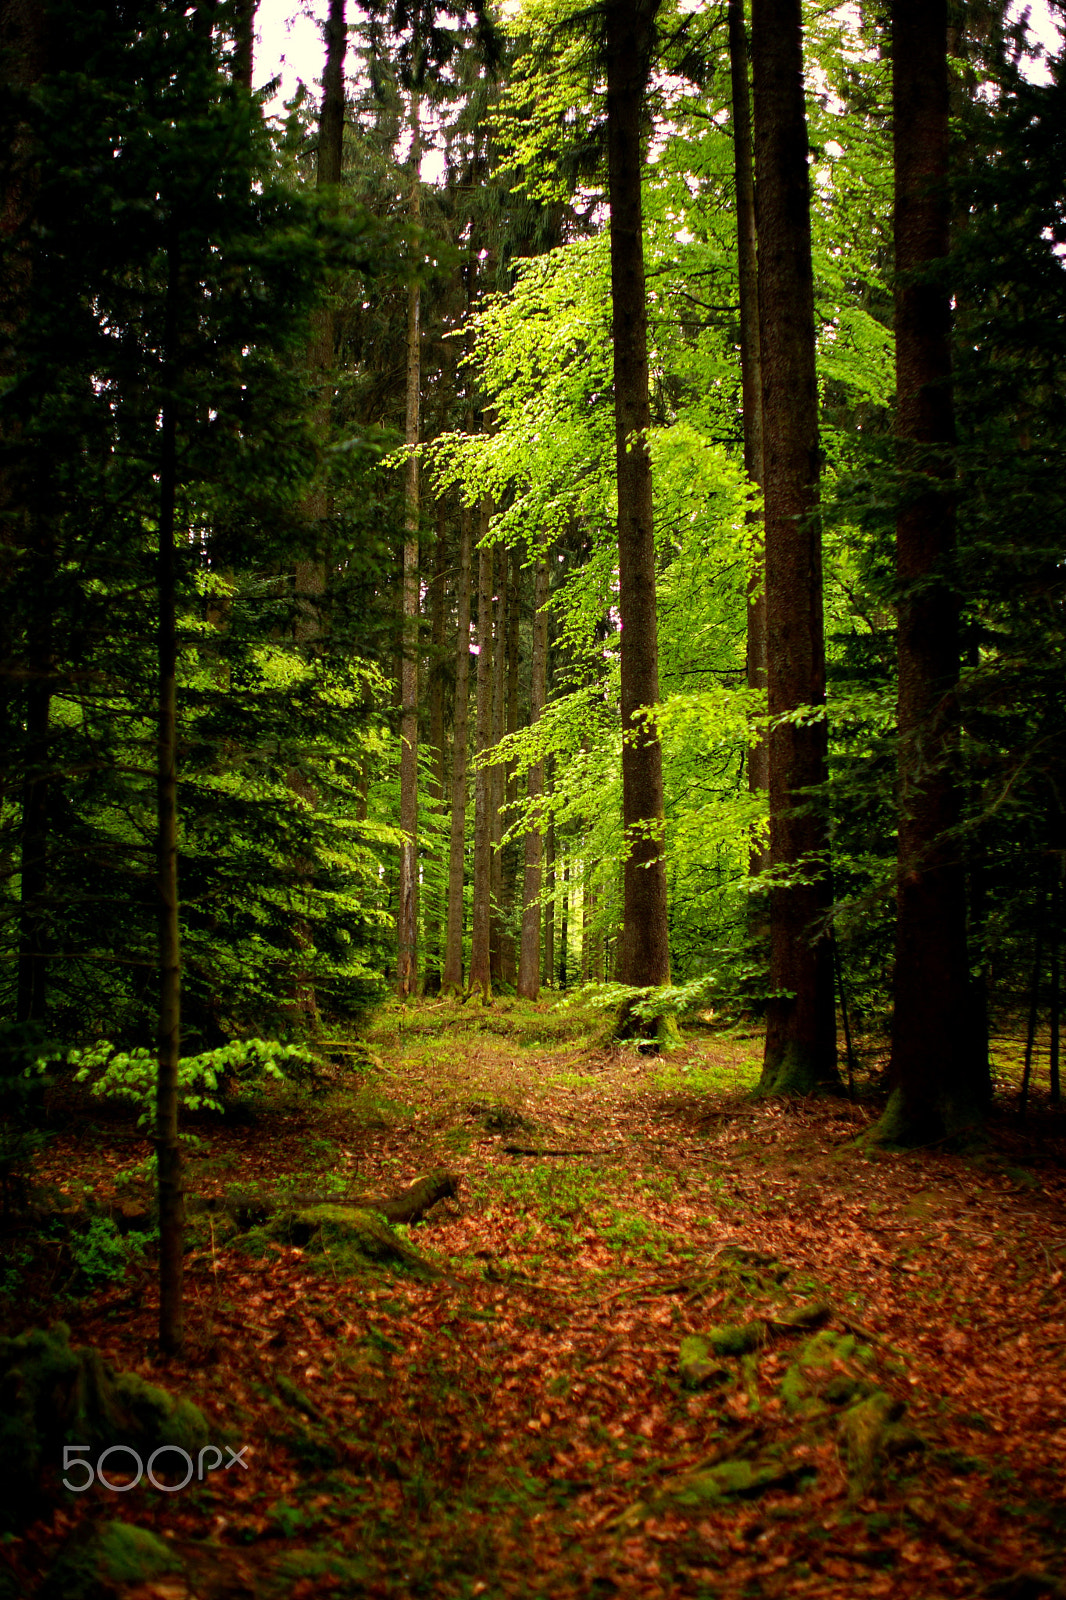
[
  {"x": 117, "y": 1553},
  {"x": 52, "y": 1394},
  {"x": 798, "y": 1070},
  {"x": 697, "y": 1369},
  {"x": 738, "y": 1479},
  {"x": 733, "y": 1339},
  {"x": 870, "y": 1433},
  {"x": 354, "y": 1238}
]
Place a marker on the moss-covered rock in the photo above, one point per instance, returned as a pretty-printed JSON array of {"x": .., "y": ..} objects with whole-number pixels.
[
  {"x": 95, "y": 1566},
  {"x": 737, "y": 1479},
  {"x": 52, "y": 1394},
  {"x": 871, "y": 1434},
  {"x": 353, "y": 1237},
  {"x": 737, "y": 1339},
  {"x": 697, "y": 1366}
]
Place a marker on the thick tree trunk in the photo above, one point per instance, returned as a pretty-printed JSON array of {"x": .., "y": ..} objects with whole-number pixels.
[
  {"x": 801, "y": 1024},
  {"x": 751, "y": 389},
  {"x": 480, "y": 980},
  {"x": 453, "y": 956},
  {"x": 935, "y": 1070},
  {"x": 243, "y": 57},
  {"x": 529, "y": 959},
  {"x": 168, "y": 1148},
  {"x": 630, "y": 29},
  {"x": 407, "y": 918}
]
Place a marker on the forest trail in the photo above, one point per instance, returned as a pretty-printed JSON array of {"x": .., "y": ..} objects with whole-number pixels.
[{"x": 877, "y": 1406}]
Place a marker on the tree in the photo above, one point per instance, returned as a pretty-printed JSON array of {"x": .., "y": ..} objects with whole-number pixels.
[
  {"x": 529, "y": 954},
  {"x": 801, "y": 1028},
  {"x": 934, "y": 1067},
  {"x": 751, "y": 381},
  {"x": 630, "y": 39}
]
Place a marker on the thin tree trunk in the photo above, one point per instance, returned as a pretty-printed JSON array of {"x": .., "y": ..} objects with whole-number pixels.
[
  {"x": 564, "y": 921},
  {"x": 480, "y": 973},
  {"x": 751, "y": 389},
  {"x": 310, "y": 571},
  {"x": 33, "y": 866},
  {"x": 168, "y": 1148},
  {"x": 497, "y": 788},
  {"x": 630, "y": 30},
  {"x": 529, "y": 959},
  {"x": 1053, "y": 1048},
  {"x": 549, "y": 902},
  {"x": 453, "y": 957},
  {"x": 310, "y": 578},
  {"x": 435, "y": 915},
  {"x": 509, "y": 864},
  {"x": 801, "y": 1023},
  {"x": 407, "y": 919},
  {"x": 934, "y": 1067}
]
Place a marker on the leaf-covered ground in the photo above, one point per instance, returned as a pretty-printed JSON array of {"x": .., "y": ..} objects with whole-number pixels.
[{"x": 878, "y": 1406}]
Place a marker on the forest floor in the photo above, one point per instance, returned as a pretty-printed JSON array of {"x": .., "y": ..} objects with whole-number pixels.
[{"x": 878, "y": 1407}]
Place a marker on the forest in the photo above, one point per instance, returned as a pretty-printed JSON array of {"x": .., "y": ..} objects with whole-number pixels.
[{"x": 532, "y": 799}]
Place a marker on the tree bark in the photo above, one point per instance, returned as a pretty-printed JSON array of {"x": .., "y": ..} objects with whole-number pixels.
[
  {"x": 564, "y": 922},
  {"x": 309, "y": 579},
  {"x": 497, "y": 788},
  {"x": 801, "y": 1024},
  {"x": 434, "y": 921},
  {"x": 168, "y": 1148},
  {"x": 529, "y": 958},
  {"x": 509, "y": 853},
  {"x": 480, "y": 973},
  {"x": 934, "y": 1070},
  {"x": 751, "y": 391},
  {"x": 407, "y": 918},
  {"x": 549, "y": 902},
  {"x": 630, "y": 32},
  {"x": 452, "y": 980}
]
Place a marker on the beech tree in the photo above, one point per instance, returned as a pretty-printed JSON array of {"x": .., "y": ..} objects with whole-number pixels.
[
  {"x": 800, "y": 1027},
  {"x": 630, "y": 41}
]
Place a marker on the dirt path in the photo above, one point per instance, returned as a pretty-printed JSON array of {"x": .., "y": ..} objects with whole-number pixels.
[{"x": 533, "y": 1422}]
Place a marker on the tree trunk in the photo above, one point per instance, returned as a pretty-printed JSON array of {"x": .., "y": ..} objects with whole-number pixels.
[
  {"x": 529, "y": 959},
  {"x": 801, "y": 1024},
  {"x": 453, "y": 957},
  {"x": 564, "y": 922},
  {"x": 168, "y": 1148},
  {"x": 935, "y": 1074},
  {"x": 480, "y": 973},
  {"x": 309, "y": 580},
  {"x": 243, "y": 57},
  {"x": 751, "y": 389},
  {"x": 407, "y": 917},
  {"x": 630, "y": 31},
  {"x": 24, "y": 39},
  {"x": 435, "y": 914},
  {"x": 509, "y": 873},
  {"x": 549, "y": 902},
  {"x": 497, "y": 776}
]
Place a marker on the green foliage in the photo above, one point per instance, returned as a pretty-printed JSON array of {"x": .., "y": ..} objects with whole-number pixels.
[
  {"x": 212, "y": 1081},
  {"x": 102, "y": 1254}
]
